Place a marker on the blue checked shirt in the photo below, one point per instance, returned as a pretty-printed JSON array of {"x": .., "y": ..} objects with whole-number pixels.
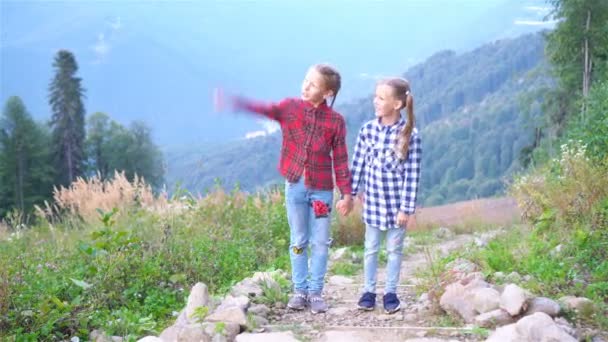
[{"x": 390, "y": 183}]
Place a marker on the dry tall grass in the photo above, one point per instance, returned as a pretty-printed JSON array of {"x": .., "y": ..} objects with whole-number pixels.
[
  {"x": 570, "y": 185},
  {"x": 85, "y": 196}
]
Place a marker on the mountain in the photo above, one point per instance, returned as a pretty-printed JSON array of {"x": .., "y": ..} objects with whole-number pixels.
[
  {"x": 469, "y": 108},
  {"x": 158, "y": 61}
]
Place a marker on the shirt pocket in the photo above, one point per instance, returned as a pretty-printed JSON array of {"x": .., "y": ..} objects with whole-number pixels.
[
  {"x": 391, "y": 162},
  {"x": 322, "y": 139}
]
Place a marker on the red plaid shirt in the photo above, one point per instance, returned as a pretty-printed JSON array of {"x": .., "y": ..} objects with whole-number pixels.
[{"x": 311, "y": 136}]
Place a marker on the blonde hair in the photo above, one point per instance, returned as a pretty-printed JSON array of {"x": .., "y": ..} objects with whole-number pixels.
[
  {"x": 332, "y": 78},
  {"x": 402, "y": 91}
]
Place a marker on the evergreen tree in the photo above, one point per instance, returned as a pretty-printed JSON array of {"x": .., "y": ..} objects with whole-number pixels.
[
  {"x": 25, "y": 173},
  {"x": 578, "y": 51},
  {"x": 65, "y": 97}
]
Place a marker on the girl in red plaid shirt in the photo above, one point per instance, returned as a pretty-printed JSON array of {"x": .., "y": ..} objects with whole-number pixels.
[{"x": 313, "y": 146}]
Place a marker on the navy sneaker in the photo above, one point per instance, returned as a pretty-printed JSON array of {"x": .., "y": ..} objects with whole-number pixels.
[
  {"x": 391, "y": 303},
  {"x": 367, "y": 302}
]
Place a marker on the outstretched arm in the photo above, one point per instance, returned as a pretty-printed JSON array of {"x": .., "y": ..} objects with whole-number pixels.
[{"x": 275, "y": 111}]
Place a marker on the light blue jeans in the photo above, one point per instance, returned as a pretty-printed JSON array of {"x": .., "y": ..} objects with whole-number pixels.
[
  {"x": 394, "y": 249},
  {"x": 307, "y": 230}
]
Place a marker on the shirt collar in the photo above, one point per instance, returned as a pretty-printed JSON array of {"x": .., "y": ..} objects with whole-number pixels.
[
  {"x": 322, "y": 106},
  {"x": 397, "y": 124}
]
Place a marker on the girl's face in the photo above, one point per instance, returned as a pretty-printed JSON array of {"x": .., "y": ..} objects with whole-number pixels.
[
  {"x": 314, "y": 89},
  {"x": 385, "y": 102}
]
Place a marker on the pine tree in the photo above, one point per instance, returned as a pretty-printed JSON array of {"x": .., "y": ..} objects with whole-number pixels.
[
  {"x": 25, "y": 173},
  {"x": 65, "y": 98}
]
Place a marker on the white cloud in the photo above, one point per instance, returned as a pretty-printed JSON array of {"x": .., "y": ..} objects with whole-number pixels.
[
  {"x": 525, "y": 22},
  {"x": 115, "y": 23},
  {"x": 103, "y": 46},
  {"x": 255, "y": 134},
  {"x": 538, "y": 9},
  {"x": 367, "y": 76},
  {"x": 269, "y": 128}
]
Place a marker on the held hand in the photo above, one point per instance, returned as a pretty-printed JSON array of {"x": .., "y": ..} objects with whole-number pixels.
[
  {"x": 403, "y": 219},
  {"x": 345, "y": 205},
  {"x": 340, "y": 206}
]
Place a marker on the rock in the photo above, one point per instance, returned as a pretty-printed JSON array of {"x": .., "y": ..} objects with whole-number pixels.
[
  {"x": 150, "y": 339},
  {"x": 456, "y": 300},
  {"x": 474, "y": 281},
  {"x": 185, "y": 333},
  {"x": 252, "y": 287},
  {"x": 566, "y": 326},
  {"x": 257, "y": 322},
  {"x": 229, "y": 315},
  {"x": 284, "y": 336},
  {"x": 100, "y": 336},
  {"x": 540, "y": 327},
  {"x": 513, "y": 299},
  {"x": 485, "y": 299},
  {"x": 499, "y": 276},
  {"x": 580, "y": 305},
  {"x": 199, "y": 296},
  {"x": 542, "y": 304},
  {"x": 259, "y": 310},
  {"x": 241, "y": 302},
  {"x": 229, "y": 330},
  {"x": 513, "y": 277},
  {"x": 495, "y": 318},
  {"x": 508, "y": 333}
]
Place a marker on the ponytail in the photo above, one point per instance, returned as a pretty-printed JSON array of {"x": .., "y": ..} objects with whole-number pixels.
[
  {"x": 406, "y": 134},
  {"x": 333, "y": 80}
]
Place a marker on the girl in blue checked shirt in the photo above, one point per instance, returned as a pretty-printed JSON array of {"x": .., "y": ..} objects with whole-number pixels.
[
  {"x": 313, "y": 146},
  {"x": 386, "y": 166}
]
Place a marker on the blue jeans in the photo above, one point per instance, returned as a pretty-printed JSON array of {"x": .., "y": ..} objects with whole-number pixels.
[
  {"x": 307, "y": 230},
  {"x": 394, "y": 249}
]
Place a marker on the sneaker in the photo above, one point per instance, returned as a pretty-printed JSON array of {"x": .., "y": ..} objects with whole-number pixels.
[
  {"x": 297, "y": 301},
  {"x": 317, "y": 304},
  {"x": 367, "y": 302},
  {"x": 391, "y": 303}
]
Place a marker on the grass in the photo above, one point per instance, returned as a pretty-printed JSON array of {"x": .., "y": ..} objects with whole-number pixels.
[
  {"x": 562, "y": 246},
  {"x": 127, "y": 271}
]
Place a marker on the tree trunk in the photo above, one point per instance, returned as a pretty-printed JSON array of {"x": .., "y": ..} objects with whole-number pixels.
[
  {"x": 586, "y": 64},
  {"x": 69, "y": 162},
  {"x": 19, "y": 186}
]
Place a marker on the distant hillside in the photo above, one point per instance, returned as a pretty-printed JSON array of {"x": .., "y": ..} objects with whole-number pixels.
[
  {"x": 158, "y": 61},
  {"x": 469, "y": 109}
]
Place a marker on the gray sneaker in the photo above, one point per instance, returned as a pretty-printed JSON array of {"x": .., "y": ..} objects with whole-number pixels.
[
  {"x": 297, "y": 301},
  {"x": 317, "y": 304}
]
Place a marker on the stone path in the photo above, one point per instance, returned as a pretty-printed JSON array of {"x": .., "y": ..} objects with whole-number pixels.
[{"x": 416, "y": 322}]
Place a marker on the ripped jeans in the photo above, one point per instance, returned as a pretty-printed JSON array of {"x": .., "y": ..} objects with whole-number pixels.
[{"x": 307, "y": 229}]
